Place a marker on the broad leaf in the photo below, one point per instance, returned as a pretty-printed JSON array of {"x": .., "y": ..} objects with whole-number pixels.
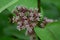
[
  {"x": 4, "y": 20},
  {"x": 7, "y": 29},
  {"x": 12, "y": 31},
  {"x": 6, "y": 3},
  {"x": 56, "y": 2},
  {"x": 7, "y": 38},
  {"x": 50, "y": 32},
  {"x": 25, "y": 3},
  {"x": 50, "y": 9}
]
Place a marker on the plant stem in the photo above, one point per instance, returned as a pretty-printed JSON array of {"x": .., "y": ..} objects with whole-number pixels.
[{"x": 38, "y": 2}]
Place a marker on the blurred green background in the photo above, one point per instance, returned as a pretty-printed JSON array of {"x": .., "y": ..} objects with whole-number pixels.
[{"x": 50, "y": 9}]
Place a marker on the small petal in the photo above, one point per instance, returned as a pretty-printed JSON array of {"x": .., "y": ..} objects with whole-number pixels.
[
  {"x": 35, "y": 15},
  {"x": 50, "y": 20},
  {"x": 29, "y": 29},
  {"x": 16, "y": 12},
  {"x": 42, "y": 25},
  {"x": 31, "y": 14},
  {"x": 25, "y": 22},
  {"x": 21, "y": 14},
  {"x": 19, "y": 8},
  {"x": 38, "y": 19},
  {"x": 33, "y": 24},
  {"x": 24, "y": 17},
  {"x": 27, "y": 25},
  {"x": 17, "y": 17},
  {"x": 26, "y": 33},
  {"x": 13, "y": 18},
  {"x": 39, "y": 14},
  {"x": 31, "y": 18},
  {"x": 19, "y": 23},
  {"x": 36, "y": 9},
  {"x": 31, "y": 10},
  {"x": 23, "y": 27},
  {"x": 18, "y": 28}
]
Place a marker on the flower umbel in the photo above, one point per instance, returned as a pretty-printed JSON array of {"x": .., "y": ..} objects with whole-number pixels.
[{"x": 26, "y": 19}]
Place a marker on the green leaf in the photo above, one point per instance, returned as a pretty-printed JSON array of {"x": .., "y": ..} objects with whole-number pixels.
[
  {"x": 9, "y": 30},
  {"x": 56, "y": 2},
  {"x": 55, "y": 29},
  {"x": 7, "y": 38},
  {"x": 50, "y": 10},
  {"x": 25, "y": 3},
  {"x": 43, "y": 34},
  {"x": 4, "y": 20},
  {"x": 6, "y": 3},
  {"x": 12, "y": 31},
  {"x": 50, "y": 32}
]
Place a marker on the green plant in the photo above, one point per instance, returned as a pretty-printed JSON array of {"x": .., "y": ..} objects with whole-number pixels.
[{"x": 47, "y": 8}]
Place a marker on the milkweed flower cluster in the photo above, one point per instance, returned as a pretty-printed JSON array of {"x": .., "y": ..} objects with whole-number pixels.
[
  {"x": 46, "y": 21},
  {"x": 26, "y": 19}
]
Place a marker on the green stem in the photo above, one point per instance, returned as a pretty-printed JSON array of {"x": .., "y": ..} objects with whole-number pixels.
[{"x": 38, "y": 6}]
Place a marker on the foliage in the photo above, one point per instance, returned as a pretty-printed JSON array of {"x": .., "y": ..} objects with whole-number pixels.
[
  {"x": 50, "y": 9},
  {"x": 50, "y": 32}
]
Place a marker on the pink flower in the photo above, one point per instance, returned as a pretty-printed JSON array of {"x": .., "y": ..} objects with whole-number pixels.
[
  {"x": 21, "y": 14},
  {"x": 28, "y": 21},
  {"x": 31, "y": 18}
]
